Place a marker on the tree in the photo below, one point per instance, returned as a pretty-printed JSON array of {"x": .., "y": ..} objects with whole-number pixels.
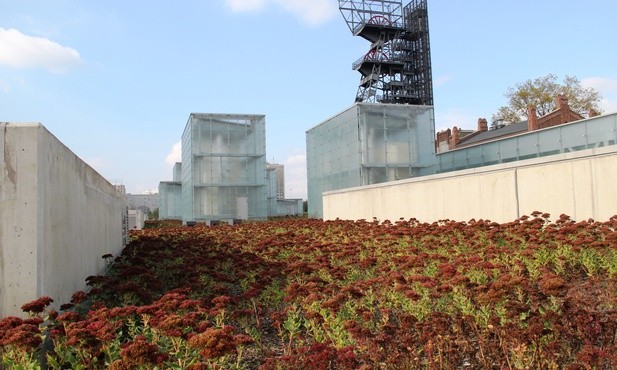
[{"x": 542, "y": 93}]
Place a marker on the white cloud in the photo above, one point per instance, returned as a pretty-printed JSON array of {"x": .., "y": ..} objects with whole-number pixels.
[
  {"x": 313, "y": 12},
  {"x": 246, "y": 5},
  {"x": 600, "y": 83},
  {"x": 175, "y": 155},
  {"x": 295, "y": 176},
  {"x": 22, "y": 51},
  {"x": 607, "y": 87}
]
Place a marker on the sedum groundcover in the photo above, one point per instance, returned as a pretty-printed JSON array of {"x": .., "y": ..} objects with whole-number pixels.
[{"x": 309, "y": 294}]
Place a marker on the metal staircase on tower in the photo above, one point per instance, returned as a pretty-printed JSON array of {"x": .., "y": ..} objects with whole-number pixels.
[{"x": 397, "y": 67}]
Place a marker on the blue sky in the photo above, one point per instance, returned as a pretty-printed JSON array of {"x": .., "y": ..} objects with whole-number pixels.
[{"x": 115, "y": 81}]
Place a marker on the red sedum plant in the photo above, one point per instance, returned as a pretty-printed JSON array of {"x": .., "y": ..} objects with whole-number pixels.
[{"x": 309, "y": 294}]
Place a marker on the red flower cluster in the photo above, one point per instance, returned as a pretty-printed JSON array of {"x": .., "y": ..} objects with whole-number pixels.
[
  {"x": 214, "y": 343},
  {"x": 37, "y": 306},
  {"x": 23, "y": 334}
]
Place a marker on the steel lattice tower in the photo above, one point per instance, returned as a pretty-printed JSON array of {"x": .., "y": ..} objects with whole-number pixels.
[{"x": 397, "y": 67}]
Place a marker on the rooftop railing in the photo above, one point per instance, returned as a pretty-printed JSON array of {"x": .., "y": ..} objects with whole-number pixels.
[{"x": 590, "y": 133}]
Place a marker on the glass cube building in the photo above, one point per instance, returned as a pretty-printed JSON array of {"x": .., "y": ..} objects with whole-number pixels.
[
  {"x": 368, "y": 143},
  {"x": 170, "y": 200},
  {"x": 224, "y": 167}
]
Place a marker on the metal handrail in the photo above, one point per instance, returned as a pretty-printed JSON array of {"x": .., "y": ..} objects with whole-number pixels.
[{"x": 379, "y": 57}]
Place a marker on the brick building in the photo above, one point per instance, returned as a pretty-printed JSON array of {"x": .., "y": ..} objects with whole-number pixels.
[{"x": 457, "y": 138}]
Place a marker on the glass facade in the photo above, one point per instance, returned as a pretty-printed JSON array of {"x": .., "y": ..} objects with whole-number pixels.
[
  {"x": 177, "y": 172},
  {"x": 224, "y": 167},
  {"x": 272, "y": 187},
  {"x": 590, "y": 133},
  {"x": 368, "y": 144},
  {"x": 170, "y": 200}
]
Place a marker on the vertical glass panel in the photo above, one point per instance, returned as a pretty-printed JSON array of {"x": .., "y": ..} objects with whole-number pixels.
[
  {"x": 474, "y": 157},
  {"x": 599, "y": 135},
  {"x": 549, "y": 142},
  {"x": 574, "y": 137},
  {"x": 376, "y": 142},
  {"x": 228, "y": 202},
  {"x": 403, "y": 173},
  {"x": 508, "y": 150},
  {"x": 527, "y": 146},
  {"x": 238, "y": 139},
  {"x": 398, "y": 146},
  {"x": 376, "y": 175},
  {"x": 216, "y": 142},
  {"x": 490, "y": 153},
  {"x": 459, "y": 158},
  {"x": 445, "y": 162},
  {"x": 237, "y": 171}
]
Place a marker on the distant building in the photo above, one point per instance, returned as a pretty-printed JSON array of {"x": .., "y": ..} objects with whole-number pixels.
[
  {"x": 457, "y": 138},
  {"x": 121, "y": 188},
  {"x": 143, "y": 202},
  {"x": 279, "y": 173},
  {"x": 278, "y": 206},
  {"x": 170, "y": 196}
]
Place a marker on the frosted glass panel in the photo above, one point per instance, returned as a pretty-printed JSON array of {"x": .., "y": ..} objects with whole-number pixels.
[
  {"x": 490, "y": 153},
  {"x": 368, "y": 144},
  {"x": 376, "y": 145},
  {"x": 527, "y": 146},
  {"x": 474, "y": 157},
  {"x": 549, "y": 142},
  {"x": 223, "y": 157},
  {"x": 508, "y": 150},
  {"x": 574, "y": 138}
]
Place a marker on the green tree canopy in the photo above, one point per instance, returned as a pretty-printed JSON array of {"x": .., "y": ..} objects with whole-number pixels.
[{"x": 542, "y": 93}]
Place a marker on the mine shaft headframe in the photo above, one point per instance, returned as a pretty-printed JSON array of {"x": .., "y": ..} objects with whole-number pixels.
[
  {"x": 397, "y": 67},
  {"x": 358, "y": 13}
]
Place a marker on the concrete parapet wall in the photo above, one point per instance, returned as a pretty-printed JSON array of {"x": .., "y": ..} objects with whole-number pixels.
[
  {"x": 58, "y": 216},
  {"x": 580, "y": 184}
]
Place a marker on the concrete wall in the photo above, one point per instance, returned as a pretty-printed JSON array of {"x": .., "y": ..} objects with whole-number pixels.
[
  {"x": 57, "y": 218},
  {"x": 579, "y": 184}
]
